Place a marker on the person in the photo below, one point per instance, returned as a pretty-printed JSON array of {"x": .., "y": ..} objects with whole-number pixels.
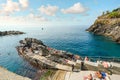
[
  {"x": 73, "y": 67},
  {"x": 105, "y": 64},
  {"x": 102, "y": 75},
  {"x": 105, "y": 76},
  {"x": 82, "y": 65},
  {"x": 86, "y": 58},
  {"x": 98, "y": 74},
  {"x": 89, "y": 77}
]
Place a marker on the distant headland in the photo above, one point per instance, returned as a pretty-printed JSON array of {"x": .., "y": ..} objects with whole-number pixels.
[
  {"x": 4, "y": 33},
  {"x": 108, "y": 24}
]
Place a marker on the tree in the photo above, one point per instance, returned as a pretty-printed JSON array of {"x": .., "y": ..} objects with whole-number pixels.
[
  {"x": 107, "y": 12},
  {"x": 103, "y": 13}
]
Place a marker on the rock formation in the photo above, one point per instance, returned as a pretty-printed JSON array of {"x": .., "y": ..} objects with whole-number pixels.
[
  {"x": 35, "y": 51},
  {"x": 35, "y": 44},
  {"x": 44, "y": 57},
  {"x": 4, "y": 33},
  {"x": 108, "y": 24}
]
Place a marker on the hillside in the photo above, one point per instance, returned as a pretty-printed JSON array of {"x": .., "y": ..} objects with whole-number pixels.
[{"x": 108, "y": 24}]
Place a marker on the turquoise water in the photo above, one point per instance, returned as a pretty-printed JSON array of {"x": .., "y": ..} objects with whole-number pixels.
[{"x": 71, "y": 38}]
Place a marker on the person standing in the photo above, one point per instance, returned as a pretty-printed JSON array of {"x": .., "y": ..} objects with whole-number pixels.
[{"x": 73, "y": 67}]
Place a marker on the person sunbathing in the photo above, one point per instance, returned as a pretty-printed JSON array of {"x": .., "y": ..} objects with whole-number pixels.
[
  {"x": 98, "y": 74},
  {"x": 89, "y": 77},
  {"x": 102, "y": 75}
]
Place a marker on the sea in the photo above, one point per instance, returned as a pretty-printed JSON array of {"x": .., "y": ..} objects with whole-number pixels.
[{"x": 72, "y": 39}]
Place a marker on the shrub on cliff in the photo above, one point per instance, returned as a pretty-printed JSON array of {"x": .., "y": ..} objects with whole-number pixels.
[
  {"x": 114, "y": 14},
  {"x": 118, "y": 9}
]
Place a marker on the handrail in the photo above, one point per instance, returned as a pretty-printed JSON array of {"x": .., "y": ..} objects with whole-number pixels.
[{"x": 104, "y": 58}]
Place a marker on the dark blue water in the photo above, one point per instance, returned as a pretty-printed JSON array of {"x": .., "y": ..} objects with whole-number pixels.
[{"x": 71, "y": 38}]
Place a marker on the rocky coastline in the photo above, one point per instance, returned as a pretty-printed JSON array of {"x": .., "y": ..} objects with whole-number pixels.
[
  {"x": 45, "y": 57},
  {"x": 38, "y": 53},
  {"x": 4, "y": 33},
  {"x": 108, "y": 24},
  {"x": 48, "y": 60}
]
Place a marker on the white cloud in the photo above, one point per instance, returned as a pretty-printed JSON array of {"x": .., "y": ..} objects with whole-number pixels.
[
  {"x": 77, "y": 8},
  {"x": 31, "y": 19},
  {"x": 10, "y": 7},
  {"x": 32, "y": 16},
  {"x": 18, "y": 20},
  {"x": 24, "y": 3},
  {"x": 48, "y": 10}
]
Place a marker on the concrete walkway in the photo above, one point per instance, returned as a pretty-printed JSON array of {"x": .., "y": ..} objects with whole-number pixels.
[
  {"x": 49, "y": 62},
  {"x": 7, "y": 75},
  {"x": 115, "y": 64},
  {"x": 59, "y": 75}
]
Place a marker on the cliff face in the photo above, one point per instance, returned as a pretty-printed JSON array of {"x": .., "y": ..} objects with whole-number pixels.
[{"x": 108, "y": 25}]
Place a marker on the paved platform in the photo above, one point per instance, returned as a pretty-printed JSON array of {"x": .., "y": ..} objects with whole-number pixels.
[
  {"x": 80, "y": 75},
  {"x": 7, "y": 75}
]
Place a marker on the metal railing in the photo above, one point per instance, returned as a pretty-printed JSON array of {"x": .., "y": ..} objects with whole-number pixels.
[{"x": 103, "y": 58}]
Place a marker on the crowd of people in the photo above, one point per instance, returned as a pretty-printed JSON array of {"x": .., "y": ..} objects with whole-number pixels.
[{"x": 98, "y": 75}]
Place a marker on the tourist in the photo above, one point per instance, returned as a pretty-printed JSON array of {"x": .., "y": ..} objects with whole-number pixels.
[
  {"x": 86, "y": 59},
  {"x": 98, "y": 74},
  {"x": 73, "y": 67},
  {"x": 89, "y": 77},
  {"x": 82, "y": 65},
  {"x": 102, "y": 75},
  {"x": 106, "y": 64}
]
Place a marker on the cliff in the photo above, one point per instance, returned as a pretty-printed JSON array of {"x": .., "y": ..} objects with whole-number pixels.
[
  {"x": 4, "y": 33},
  {"x": 108, "y": 24}
]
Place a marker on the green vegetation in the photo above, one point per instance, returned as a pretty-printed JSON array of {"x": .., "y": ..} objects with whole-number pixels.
[
  {"x": 118, "y": 9},
  {"x": 114, "y": 14},
  {"x": 108, "y": 15},
  {"x": 49, "y": 73}
]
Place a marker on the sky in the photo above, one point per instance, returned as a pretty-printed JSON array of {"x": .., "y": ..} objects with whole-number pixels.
[{"x": 53, "y": 12}]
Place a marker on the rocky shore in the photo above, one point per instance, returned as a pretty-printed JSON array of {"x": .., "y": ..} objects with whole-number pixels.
[
  {"x": 36, "y": 52},
  {"x": 55, "y": 62},
  {"x": 49, "y": 60},
  {"x": 108, "y": 24},
  {"x": 4, "y": 33}
]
